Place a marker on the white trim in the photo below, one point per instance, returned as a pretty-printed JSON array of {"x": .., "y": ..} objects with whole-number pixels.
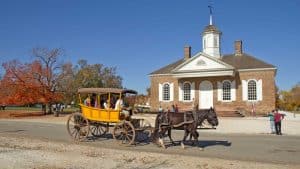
[
  {"x": 197, "y": 55},
  {"x": 171, "y": 91},
  {"x": 245, "y": 90},
  {"x": 256, "y": 84},
  {"x": 219, "y": 86},
  {"x": 191, "y": 98},
  {"x": 193, "y": 91},
  {"x": 160, "y": 92},
  {"x": 259, "y": 90},
  {"x": 160, "y": 75},
  {"x": 180, "y": 91},
  {"x": 223, "y": 91},
  {"x": 233, "y": 91},
  {"x": 255, "y": 69},
  {"x": 205, "y": 74}
]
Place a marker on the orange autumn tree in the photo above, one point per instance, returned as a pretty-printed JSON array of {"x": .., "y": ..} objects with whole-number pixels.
[{"x": 35, "y": 82}]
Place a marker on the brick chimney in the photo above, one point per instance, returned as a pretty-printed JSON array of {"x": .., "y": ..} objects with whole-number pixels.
[
  {"x": 187, "y": 52},
  {"x": 238, "y": 46}
]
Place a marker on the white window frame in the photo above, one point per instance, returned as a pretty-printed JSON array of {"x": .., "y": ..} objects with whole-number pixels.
[
  {"x": 256, "y": 90},
  {"x": 163, "y": 91},
  {"x": 190, "y": 92},
  {"x": 230, "y": 96}
]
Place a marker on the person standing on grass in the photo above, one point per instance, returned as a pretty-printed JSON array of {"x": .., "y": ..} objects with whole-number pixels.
[
  {"x": 272, "y": 122},
  {"x": 277, "y": 118}
]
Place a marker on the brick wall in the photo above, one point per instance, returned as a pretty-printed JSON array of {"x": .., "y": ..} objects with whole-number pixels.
[{"x": 268, "y": 88}]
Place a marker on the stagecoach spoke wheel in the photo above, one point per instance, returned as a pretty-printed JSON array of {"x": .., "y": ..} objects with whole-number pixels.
[
  {"x": 99, "y": 130},
  {"x": 124, "y": 132},
  {"x": 144, "y": 130},
  {"x": 78, "y": 126}
]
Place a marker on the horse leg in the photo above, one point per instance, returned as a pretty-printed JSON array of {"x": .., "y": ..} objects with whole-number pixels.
[
  {"x": 186, "y": 133},
  {"x": 195, "y": 135},
  {"x": 190, "y": 137},
  {"x": 170, "y": 137},
  {"x": 197, "y": 141},
  {"x": 161, "y": 136}
]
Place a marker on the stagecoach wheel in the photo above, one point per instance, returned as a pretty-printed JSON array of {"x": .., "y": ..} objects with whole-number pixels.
[
  {"x": 98, "y": 130},
  {"x": 124, "y": 132},
  {"x": 144, "y": 131},
  {"x": 78, "y": 126}
]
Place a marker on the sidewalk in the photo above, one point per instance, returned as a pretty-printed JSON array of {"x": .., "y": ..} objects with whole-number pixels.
[
  {"x": 245, "y": 125},
  {"x": 248, "y": 125}
]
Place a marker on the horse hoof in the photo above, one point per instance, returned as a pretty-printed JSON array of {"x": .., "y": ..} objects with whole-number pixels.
[
  {"x": 182, "y": 145},
  {"x": 161, "y": 142}
]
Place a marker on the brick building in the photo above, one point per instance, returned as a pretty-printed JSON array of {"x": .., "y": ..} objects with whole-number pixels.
[{"x": 228, "y": 83}]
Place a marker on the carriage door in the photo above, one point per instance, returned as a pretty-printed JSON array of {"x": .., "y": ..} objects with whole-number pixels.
[{"x": 206, "y": 97}]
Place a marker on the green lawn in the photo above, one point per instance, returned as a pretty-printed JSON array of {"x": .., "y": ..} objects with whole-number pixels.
[{"x": 66, "y": 110}]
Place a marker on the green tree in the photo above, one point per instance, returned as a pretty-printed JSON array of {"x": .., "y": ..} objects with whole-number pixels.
[{"x": 84, "y": 75}]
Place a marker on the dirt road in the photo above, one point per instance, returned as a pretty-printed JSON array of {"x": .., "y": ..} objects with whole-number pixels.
[
  {"x": 20, "y": 152},
  {"x": 46, "y": 145}
]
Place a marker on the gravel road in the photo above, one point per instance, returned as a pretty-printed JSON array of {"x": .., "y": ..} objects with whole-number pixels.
[{"x": 21, "y": 152}]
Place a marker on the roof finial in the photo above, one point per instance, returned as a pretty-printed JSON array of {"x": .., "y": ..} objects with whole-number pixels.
[{"x": 210, "y": 14}]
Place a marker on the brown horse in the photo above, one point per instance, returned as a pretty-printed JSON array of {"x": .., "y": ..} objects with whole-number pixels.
[{"x": 188, "y": 121}]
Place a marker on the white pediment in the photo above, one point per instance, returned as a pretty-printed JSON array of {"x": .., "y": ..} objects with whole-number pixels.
[
  {"x": 202, "y": 62},
  {"x": 203, "y": 65}
]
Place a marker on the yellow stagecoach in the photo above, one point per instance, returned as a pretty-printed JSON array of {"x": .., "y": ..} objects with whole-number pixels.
[{"x": 105, "y": 108}]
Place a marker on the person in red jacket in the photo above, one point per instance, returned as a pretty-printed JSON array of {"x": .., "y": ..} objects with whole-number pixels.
[{"x": 277, "y": 118}]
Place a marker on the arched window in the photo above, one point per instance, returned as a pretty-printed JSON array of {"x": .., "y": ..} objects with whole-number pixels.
[
  {"x": 186, "y": 91},
  {"x": 166, "y": 92},
  {"x": 226, "y": 90},
  {"x": 252, "y": 90}
]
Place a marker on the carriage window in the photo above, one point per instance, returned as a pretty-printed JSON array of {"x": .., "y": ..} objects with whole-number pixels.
[
  {"x": 252, "y": 90},
  {"x": 186, "y": 91},
  {"x": 226, "y": 90},
  {"x": 166, "y": 92}
]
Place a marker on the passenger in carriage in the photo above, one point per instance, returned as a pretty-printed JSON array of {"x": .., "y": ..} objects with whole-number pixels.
[
  {"x": 106, "y": 104},
  {"x": 120, "y": 106},
  {"x": 93, "y": 100},
  {"x": 119, "y": 103},
  {"x": 87, "y": 101}
]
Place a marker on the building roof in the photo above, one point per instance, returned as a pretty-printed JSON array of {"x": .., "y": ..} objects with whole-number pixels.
[
  {"x": 245, "y": 61},
  {"x": 168, "y": 69},
  {"x": 211, "y": 28}
]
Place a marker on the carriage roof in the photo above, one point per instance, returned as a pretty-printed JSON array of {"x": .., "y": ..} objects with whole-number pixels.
[{"x": 106, "y": 90}]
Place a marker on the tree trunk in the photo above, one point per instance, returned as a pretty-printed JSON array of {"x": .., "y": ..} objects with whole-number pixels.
[
  {"x": 50, "y": 108},
  {"x": 44, "y": 109}
]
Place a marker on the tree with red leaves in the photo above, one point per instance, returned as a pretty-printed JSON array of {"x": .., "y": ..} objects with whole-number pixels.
[{"x": 35, "y": 82}]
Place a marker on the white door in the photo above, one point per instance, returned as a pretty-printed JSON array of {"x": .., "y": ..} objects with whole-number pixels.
[{"x": 206, "y": 97}]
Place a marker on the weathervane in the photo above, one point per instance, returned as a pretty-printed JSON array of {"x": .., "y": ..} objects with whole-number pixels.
[{"x": 210, "y": 14}]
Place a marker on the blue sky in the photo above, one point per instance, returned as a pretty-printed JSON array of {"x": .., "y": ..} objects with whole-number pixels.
[{"x": 140, "y": 36}]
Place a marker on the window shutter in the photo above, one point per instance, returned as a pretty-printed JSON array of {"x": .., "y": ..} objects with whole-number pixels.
[
  {"x": 193, "y": 91},
  {"x": 259, "y": 90},
  {"x": 171, "y": 91},
  {"x": 233, "y": 91},
  {"x": 220, "y": 91},
  {"x": 160, "y": 92},
  {"x": 180, "y": 91},
  {"x": 245, "y": 90}
]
